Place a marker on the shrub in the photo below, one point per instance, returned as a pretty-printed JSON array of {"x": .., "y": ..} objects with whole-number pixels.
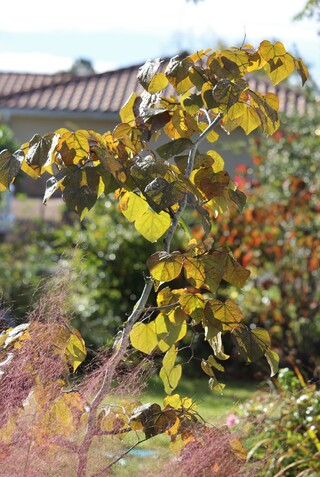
[{"x": 280, "y": 428}]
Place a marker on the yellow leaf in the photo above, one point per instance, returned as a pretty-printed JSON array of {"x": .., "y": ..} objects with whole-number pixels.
[
  {"x": 250, "y": 120},
  {"x": 173, "y": 401},
  {"x": 143, "y": 337},
  {"x": 179, "y": 443},
  {"x": 76, "y": 350},
  {"x": 218, "y": 164},
  {"x": 205, "y": 271},
  {"x": 191, "y": 302},
  {"x": 301, "y": 69},
  {"x": 279, "y": 64},
  {"x": 152, "y": 225},
  {"x": 114, "y": 420},
  {"x": 169, "y": 373},
  {"x": 273, "y": 361},
  {"x": 7, "y": 431},
  {"x": 238, "y": 449},
  {"x": 73, "y": 147},
  {"x": 28, "y": 170},
  {"x": 166, "y": 297},
  {"x": 227, "y": 313},
  {"x": 126, "y": 112},
  {"x": 158, "y": 82},
  {"x": 168, "y": 331},
  {"x": 236, "y": 110},
  {"x": 235, "y": 273},
  {"x": 132, "y": 205},
  {"x": 165, "y": 267}
]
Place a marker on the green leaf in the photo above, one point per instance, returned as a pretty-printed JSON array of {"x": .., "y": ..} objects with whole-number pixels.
[
  {"x": 161, "y": 194},
  {"x": 52, "y": 184},
  {"x": 165, "y": 267},
  {"x": 147, "y": 168},
  {"x": 169, "y": 373},
  {"x": 273, "y": 361},
  {"x": 175, "y": 147},
  {"x": 192, "y": 103},
  {"x": 266, "y": 107},
  {"x": 10, "y": 165},
  {"x": 143, "y": 337},
  {"x": 251, "y": 344},
  {"x": 207, "y": 366},
  {"x": 216, "y": 386}
]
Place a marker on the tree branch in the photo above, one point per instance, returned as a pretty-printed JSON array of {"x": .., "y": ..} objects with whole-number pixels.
[{"x": 189, "y": 169}]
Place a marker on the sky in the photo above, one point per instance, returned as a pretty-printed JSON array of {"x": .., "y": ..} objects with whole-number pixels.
[{"x": 46, "y": 37}]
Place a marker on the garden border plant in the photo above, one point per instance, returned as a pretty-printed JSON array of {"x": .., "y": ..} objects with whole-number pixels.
[{"x": 185, "y": 100}]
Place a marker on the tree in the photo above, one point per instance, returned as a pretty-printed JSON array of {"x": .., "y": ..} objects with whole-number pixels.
[{"x": 186, "y": 100}]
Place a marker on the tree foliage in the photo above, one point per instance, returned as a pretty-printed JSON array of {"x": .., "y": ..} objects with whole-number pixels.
[{"x": 185, "y": 100}]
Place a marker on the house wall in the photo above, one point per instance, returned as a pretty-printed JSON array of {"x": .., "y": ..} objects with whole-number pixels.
[{"x": 25, "y": 127}]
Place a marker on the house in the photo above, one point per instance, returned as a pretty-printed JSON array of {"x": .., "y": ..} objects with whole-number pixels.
[{"x": 39, "y": 103}]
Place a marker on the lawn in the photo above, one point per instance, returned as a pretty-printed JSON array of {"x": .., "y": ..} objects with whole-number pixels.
[{"x": 212, "y": 407}]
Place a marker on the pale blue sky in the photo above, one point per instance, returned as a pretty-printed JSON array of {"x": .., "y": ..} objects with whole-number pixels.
[{"x": 38, "y": 36}]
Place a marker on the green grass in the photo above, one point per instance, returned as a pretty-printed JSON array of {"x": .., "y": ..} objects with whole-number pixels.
[{"x": 212, "y": 407}]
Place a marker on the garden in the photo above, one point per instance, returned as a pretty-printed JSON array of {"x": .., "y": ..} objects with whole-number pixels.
[{"x": 170, "y": 323}]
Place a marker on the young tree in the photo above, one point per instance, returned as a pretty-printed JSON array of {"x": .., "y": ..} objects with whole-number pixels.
[{"x": 185, "y": 100}]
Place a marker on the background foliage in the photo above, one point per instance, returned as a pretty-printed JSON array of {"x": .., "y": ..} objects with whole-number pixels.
[
  {"x": 104, "y": 256},
  {"x": 277, "y": 237},
  {"x": 281, "y": 428}
]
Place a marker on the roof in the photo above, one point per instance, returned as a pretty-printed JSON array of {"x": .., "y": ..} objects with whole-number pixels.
[{"x": 100, "y": 93}]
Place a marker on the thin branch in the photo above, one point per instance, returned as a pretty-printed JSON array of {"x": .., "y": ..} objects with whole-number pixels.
[
  {"x": 109, "y": 375},
  {"x": 189, "y": 169},
  {"x": 101, "y": 472},
  {"x": 163, "y": 307}
]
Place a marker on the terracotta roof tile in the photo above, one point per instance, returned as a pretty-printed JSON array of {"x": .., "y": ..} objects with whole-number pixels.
[{"x": 99, "y": 93}]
